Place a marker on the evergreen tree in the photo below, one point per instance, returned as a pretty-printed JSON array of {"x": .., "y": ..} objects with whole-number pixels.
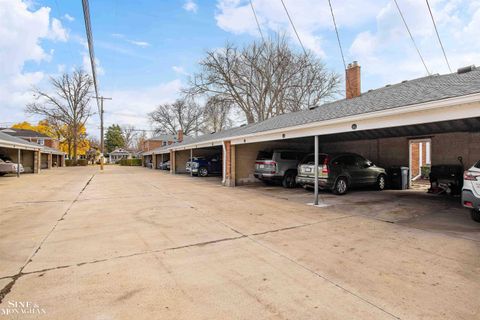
[{"x": 114, "y": 138}]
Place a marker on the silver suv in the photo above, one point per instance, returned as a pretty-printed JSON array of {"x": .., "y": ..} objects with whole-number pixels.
[
  {"x": 471, "y": 191},
  {"x": 278, "y": 166}
]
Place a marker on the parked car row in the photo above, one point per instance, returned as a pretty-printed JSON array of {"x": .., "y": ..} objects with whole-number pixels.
[{"x": 337, "y": 172}]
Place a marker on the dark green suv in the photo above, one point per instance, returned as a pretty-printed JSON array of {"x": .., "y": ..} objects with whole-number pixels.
[{"x": 340, "y": 171}]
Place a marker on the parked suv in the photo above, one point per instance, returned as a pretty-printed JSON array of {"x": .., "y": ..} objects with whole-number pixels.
[
  {"x": 204, "y": 166},
  {"x": 340, "y": 172},
  {"x": 278, "y": 166},
  {"x": 471, "y": 191}
]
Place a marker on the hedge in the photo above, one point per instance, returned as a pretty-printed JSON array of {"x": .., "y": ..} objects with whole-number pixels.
[
  {"x": 80, "y": 162},
  {"x": 130, "y": 162}
]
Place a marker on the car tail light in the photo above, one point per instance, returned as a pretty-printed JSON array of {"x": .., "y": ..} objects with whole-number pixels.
[
  {"x": 469, "y": 175},
  {"x": 325, "y": 169},
  {"x": 468, "y": 204}
]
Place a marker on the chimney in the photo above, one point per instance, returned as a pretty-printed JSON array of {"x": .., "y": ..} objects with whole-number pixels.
[
  {"x": 180, "y": 135},
  {"x": 352, "y": 80}
]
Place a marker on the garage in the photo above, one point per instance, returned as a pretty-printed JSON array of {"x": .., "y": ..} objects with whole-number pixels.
[
  {"x": 17, "y": 150},
  {"x": 162, "y": 158},
  {"x": 51, "y": 157}
]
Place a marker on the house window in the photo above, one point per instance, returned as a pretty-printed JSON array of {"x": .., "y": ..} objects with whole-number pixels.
[
  {"x": 164, "y": 143},
  {"x": 41, "y": 142}
]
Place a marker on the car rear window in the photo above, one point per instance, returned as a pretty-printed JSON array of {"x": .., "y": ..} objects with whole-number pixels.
[
  {"x": 265, "y": 155},
  {"x": 477, "y": 165},
  {"x": 310, "y": 159}
]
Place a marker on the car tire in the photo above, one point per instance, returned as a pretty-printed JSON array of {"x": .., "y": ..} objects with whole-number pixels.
[
  {"x": 288, "y": 180},
  {"x": 475, "y": 214},
  {"x": 381, "y": 182},
  {"x": 341, "y": 186},
  {"x": 202, "y": 172}
]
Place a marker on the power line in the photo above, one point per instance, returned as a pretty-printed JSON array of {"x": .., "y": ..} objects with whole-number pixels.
[
  {"x": 88, "y": 29},
  {"x": 438, "y": 36},
  {"x": 293, "y": 26},
  {"x": 411, "y": 37},
  {"x": 256, "y": 20},
  {"x": 338, "y": 37}
]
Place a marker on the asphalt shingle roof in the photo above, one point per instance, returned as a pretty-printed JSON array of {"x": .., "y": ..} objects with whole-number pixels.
[
  {"x": 24, "y": 133},
  {"x": 421, "y": 90},
  {"x": 11, "y": 140}
]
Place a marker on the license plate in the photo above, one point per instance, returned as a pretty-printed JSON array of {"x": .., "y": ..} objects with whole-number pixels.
[
  {"x": 308, "y": 169},
  {"x": 262, "y": 166}
]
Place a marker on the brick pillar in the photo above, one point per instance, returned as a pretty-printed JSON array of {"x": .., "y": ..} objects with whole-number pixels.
[
  {"x": 154, "y": 161},
  {"x": 229, "y": 164},
  {"x": 36, "y": 161},
  {"x": 49, "y": 161},
  {"x": 172, "y": 161},
  {"x": 63, "y": 160}
]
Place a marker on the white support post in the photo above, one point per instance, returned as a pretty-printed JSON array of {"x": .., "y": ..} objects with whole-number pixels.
[
  {"x": 224, "y": 163},
  {"x": 18, "y": 163},
  {"x": 191, "y": 160}
]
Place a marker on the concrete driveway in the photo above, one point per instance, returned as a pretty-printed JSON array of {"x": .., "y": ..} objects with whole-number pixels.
[{"x": 134, "y": 243}]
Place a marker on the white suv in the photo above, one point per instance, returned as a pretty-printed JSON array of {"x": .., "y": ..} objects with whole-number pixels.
[{"x": 471, "y": 191}]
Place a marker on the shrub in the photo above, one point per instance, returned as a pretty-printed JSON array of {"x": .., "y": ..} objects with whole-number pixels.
[
  {"x": 425, "y": 172},
  {"x": 80, "y": 162},
  {"x": 130, "y": 162}
]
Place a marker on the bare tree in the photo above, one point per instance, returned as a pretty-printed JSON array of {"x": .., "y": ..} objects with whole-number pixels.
[
  {"x": 183, "y": 114},
  {"x": 216, "y": 114},
  {"x": 67, "y": 105},
  {"x": 264, "y": 79},
  {"x": 129, "y": 136}
]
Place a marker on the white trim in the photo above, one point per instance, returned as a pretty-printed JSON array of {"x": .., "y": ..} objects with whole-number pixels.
[{"x": 7, "y": 144}]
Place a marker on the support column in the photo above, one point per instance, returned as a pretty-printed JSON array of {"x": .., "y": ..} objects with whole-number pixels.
[
  {"x": 19, "y": 152},
  {"x": 172, "y": 162},
  {"x": 191, "y": 159},
  {"x": 36, "y": 161},
  {"x": 49, "y": 161},
  {"x": 63, "y": 160},
  {"x": 154, "y": 161},
  {"x": 229, "y": 162},
  {"x": 315, "y": 202}
]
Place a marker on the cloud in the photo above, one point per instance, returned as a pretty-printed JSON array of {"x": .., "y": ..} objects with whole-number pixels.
[
  {"x": 87, "y": 66},
  {"x": 68, "y": 17},
  {"x": 22, "y": 33},
  {"x": 191, "y": 6},
  {"x": 387, "y": 53},
  {"x": 311, "y": 18},
  {"x": 180, "y": 70},
  {"x": 131, "y": 106},
  {"x": 142, "y": 44}
]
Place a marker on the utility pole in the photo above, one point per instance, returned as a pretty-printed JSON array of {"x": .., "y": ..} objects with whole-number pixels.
[{"x": 102, "y": 146}]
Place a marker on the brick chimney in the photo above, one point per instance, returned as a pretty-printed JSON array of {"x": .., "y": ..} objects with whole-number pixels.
[
  {"x": 180, "y": 135},
  {"x": 352, "y": 80}
]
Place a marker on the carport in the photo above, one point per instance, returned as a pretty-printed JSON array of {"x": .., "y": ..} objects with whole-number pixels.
[
  {"x": 181, "y": 154},
  {"x": 159, "y": 156},
  {"x": 51, "y": 157},
  {"x": 20, "y": 151}
]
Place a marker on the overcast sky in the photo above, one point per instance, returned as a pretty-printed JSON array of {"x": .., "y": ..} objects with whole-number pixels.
[{"x": 147, "y": 49}]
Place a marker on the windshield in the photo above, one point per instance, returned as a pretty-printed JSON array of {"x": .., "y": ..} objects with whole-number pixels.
[
  {"x": 265, "y": 155},
  {"x": 477, "y": 165},
  {"x": 310, "y": 159}
]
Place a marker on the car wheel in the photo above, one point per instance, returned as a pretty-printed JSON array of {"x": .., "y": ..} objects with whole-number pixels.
[
  {"x": 381, "y": 182},
  {"x": 341, "y": 186},
  {"x": 289, "y": 180},
  {"x": 203, "y": 172},
  {"x": 475, "y": 214}
]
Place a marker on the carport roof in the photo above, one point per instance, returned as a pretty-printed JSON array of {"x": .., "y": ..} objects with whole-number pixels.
[
  {"x": 9, "y": 141},
  {"x": 407, "y": 93},
  {"x": 52, "y": 151}
]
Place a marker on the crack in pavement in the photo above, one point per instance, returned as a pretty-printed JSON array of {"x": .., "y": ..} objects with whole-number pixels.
[{"x": 6, "y": 290}]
